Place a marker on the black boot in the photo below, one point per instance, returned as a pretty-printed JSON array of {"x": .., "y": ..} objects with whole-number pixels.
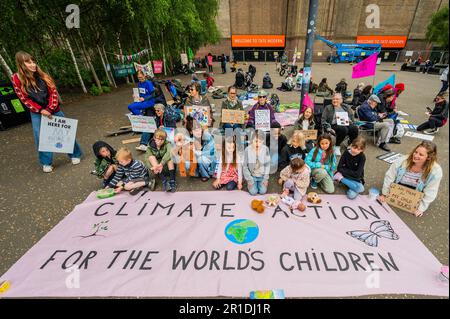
[
  {"x": 384, "y": 147},
  {"x": 172, "y": 184}
]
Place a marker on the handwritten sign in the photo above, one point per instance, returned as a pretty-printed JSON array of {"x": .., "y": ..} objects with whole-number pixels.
[
  {"x": 57, "y": 135},
  {"x": 198, "y": 113},
  {"x": 262, "y": 120},
  {"x": 233, "y": 116},
  {"x": 309, "y": 134},
  {"x": 158, "y": 67},
  {"x": 404, "y": 198},
  {"x": 342, "y": 119},
  {"x": 145, "y": 68},
  {"x": 141, "y": 123}
]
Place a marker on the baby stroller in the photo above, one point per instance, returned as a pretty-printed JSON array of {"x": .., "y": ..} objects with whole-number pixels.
[
  {"x": 249, "y": 83},
  {"x": 252, "y": 71}
]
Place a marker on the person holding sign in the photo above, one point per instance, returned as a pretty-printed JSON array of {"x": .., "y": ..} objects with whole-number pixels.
[
  {"x": 306, "y": 122},
  {"x": 146, "y": 99},
  {"x": 231, "y": 103},
  {"x": 419, "y": 171},
  {"x": 37, "y": 91},
  {"x": 195, "y": 99},
  {"x": 337, "y": 119},
  {"x": 265, "y": 112}
]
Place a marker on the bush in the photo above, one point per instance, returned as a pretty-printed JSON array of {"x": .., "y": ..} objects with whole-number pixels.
[
  {"x": 94, "y": 90},
  {"x": 106, "y": 89}
]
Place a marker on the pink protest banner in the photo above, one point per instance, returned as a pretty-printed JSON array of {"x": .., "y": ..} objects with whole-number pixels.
[
  {"x": 193, "y": 244},
  {"x": 366, "y": 67},
  {"x": 287, "y": 118},
  {"x": 158, "y": 67}
]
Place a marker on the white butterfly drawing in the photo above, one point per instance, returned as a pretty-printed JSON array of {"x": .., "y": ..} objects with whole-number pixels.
[{"x": 378, "y": 229}]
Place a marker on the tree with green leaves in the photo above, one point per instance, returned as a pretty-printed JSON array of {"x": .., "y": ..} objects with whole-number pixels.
[{"x": 437, "y": 29}]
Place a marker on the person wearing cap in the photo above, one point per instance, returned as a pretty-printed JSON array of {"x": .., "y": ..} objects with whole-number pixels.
[
  {"x": 368, "y": 112},
  {"x": 262, "y": 104},
  {"x": 330, "y": 120},
  {"x": 162, "y": 119},
  {"x": 436, "y": 117}
]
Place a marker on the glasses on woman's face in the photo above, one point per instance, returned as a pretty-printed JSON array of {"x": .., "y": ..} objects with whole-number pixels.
[
  {"x": 232, "y": 93},
  {"x": 261, "y": 97}
]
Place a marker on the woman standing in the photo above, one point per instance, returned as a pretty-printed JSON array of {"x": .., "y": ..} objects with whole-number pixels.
[
  {"x": 37, "y": 91},
  {"x": 419, "y": 171},
  {"x": 210, "y": 63}
]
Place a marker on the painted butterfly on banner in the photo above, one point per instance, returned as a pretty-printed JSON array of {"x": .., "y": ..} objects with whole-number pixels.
[{"x": 378, "y": 229}]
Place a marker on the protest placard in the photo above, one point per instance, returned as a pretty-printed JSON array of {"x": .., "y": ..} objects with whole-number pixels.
[
  {"x": 233, "y": 116},
  {"x": 404, "y": 198},
  {"x": 342, "y": 119},
  {"x": 135, "y": 94},
  {"x": 309, "y": 134},
  {"x": 199, "y": 113},
  {"x": 57, "y": 135},
  {"x": 140, "y": 123},
  {"x": 262, "y": 120}
]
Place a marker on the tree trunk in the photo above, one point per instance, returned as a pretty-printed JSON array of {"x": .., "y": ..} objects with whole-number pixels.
[
  {"x": 5, "y": 67},
  {"x": 150, "y": 45},
  {"x": 110, "y": 72},
  {"x": 121, "y": 53},
  {"x": 104, "y": 65},
  {"x": 97, "y": 81},
  {"x": 76, "y": 66}
]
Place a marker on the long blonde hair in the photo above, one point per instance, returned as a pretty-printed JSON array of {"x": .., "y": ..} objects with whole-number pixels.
[
  {"x": 299, "y": 137},
  {"x": 26, "y": 77},
  {"x": 432, "y": 158}
]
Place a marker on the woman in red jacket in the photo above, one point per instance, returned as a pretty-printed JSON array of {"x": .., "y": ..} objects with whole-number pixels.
[{"x": 37, "y": 91}]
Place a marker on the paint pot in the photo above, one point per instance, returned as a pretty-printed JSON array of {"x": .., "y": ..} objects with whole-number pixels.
[
  {"x": 443, "y": 276},
  {"x": 373, "y": 193}
]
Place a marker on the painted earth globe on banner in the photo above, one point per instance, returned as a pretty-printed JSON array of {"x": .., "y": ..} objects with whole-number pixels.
[{"x": 242, "y": 231}]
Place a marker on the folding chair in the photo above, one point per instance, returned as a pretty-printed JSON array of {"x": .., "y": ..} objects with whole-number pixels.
[{"x": 362, "y": 128}]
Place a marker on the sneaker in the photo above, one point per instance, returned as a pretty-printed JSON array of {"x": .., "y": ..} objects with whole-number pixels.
[
  {"x": 338, "y": 177},
  {"x": 134, "y": 191},
  {"x": 47, "y": 168},
  {"x": 142, "y": 148},
  {"x": 431, "y": 131},
  {"x": 384, "y": 147},
  {"x": 76, "y": 161},
  {"x": 152, "y": 184},
  {"x": 313, "y": 184}
]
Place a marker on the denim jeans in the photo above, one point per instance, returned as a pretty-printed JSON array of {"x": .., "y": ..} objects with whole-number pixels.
[
  {"x": 145, "y": 138},
  {"x": 206, "y": 170},
  {"x": 46, "y": 158},
  {"x": 257, "y": 187},
  {"x": 354, "y": 187}
]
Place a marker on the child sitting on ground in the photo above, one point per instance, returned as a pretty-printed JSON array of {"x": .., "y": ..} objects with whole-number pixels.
[
  {"x": 131, "y": 174},
  {"x": 295, "y": 178},
  {"x": 256, "y": 165},
  {"x": 209, "y": 80},
  {"x": 295, "y": 148},
  {"x": 183, "y": 155},
  {"x": 322, "y": 162},
  {"x": 276, "y": 136},
  {"x": 350, "y": 171},
  {"x": 229, "y": 171},
  {"x": 105, "y": 162},
  {"x": 160, "y": 161}
]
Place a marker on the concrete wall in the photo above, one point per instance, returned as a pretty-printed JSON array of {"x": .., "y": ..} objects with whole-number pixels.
[{"x": 337, "y": 20}]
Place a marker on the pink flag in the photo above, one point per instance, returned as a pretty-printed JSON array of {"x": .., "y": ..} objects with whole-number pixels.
[
  {"x": 307, "y": 102},
  {"x": 366, "y": 67}
]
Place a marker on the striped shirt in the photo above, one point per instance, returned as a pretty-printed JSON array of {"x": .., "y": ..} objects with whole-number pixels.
[
  {"x": 135, "y": 170},
  {"x": 411, "y": 179}
]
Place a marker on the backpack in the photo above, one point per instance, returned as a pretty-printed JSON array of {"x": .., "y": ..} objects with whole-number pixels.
[
  {"x": 274, "y": 101},
  {"x": 172, "y": 114}
]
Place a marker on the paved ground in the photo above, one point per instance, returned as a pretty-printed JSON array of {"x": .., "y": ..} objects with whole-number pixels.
[{"x": 32, "y": 203}]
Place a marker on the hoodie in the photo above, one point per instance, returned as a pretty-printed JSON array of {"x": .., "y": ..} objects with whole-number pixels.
[{"x": 102, "y": 163}]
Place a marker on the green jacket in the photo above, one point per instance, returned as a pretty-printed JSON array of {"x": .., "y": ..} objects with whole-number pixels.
[
  {"x": 162, "y": 155},
  {"x": 101, "y": 165}
]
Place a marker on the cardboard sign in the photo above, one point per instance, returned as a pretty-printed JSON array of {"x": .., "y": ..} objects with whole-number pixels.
[
  {"x": 342, "y": 119},
  {"x": 141, "y": 123},
  {"x": 184, "y": 58},
  {"x": 233, "y": 116},
  {"x": 404, "y": 198},
  {"x": 262, "y": 120},
  {"x": 309, "y": 134},
  {"x": 57, "y": 135},
  {"x": 135, "y": 94},
  {"x": 199, "y": 113}
]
